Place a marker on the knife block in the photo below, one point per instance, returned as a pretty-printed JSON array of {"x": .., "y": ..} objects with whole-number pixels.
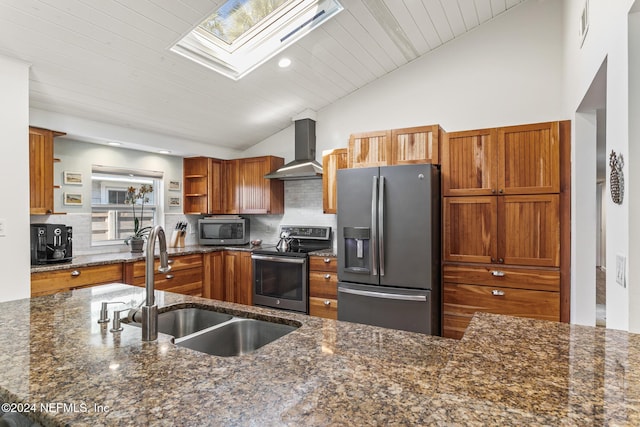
[{"x": 177, "y": 239}]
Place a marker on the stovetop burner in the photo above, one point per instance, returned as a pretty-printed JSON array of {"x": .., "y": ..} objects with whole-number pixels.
[{"x": 304, "y": 239}]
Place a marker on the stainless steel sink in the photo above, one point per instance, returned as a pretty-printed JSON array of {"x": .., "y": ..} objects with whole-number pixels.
[
  {"x": 186, "y": 321},
  {"x": 236, "y": 337},
  {"x": 215, "y": 333}
]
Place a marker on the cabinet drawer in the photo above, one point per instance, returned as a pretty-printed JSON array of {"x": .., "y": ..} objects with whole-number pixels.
[
  {"x": 501, "y": 276},
  {"x": 62, "y": 280},
  {"x": 323, "y": 285},
  {"x": 461, "y": 301},
  {"x": 321, "y": 263},
  {"x": 180, "y": 262},
  {"x": 323, "y": 307},
  {"x": 178, "y": 278}
]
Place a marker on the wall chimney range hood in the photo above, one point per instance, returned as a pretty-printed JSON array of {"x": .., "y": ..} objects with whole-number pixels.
[{"x": 304, "y": 166}]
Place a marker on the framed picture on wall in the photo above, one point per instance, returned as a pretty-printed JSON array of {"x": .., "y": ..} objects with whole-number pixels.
[
  {"x": 73, "y": 199},
  {"x": 174, "y": 201},
  {"x": 174, "y": 185},
  {"x": 72, "y": 178}
]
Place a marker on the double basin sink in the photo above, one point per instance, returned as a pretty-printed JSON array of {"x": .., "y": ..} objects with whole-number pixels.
[{"x": 216, "y": 333}]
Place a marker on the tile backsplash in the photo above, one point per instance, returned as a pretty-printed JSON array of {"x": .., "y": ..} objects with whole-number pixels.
[{"x": 303, "y": 206}]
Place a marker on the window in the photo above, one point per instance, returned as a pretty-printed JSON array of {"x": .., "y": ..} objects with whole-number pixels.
[
  {"x": 242, "y": 34},
  {"x": 112, "y": 218}
]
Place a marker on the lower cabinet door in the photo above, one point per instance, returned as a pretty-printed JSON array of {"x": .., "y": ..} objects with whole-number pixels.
[{"x": 461, "y": 301}]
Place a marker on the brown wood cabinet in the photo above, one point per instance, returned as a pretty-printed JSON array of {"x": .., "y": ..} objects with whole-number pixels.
[
  {"x": 505, "y": 223},
  {"x": 512, "y": 230},
  {"x": 197, "y": 174},
  {"x": 50, "y": 282},
  {"x": 259, "y": 195},
  {"x": 332, "y": 160},
  {"x": 237, "y": 277},
  {"x": 323, "y": 287},
  {"x": 509, "y": 160},
  {"x": 395, "y": 147},
  {"x": 214, "y": 186},
  {"x": 512, "y": 291},
  {"x": 369, "y": 149},
  {"x": 231, "y": 186},
  {"x": 41, "y": 183},
  {"x": 185, "y": 277},
  {"x": 416, "y": 145},
  {"x": 213, "y": 283}
]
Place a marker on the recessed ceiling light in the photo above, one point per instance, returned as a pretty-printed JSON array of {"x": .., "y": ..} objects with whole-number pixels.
[
  {"x": 284, "y": 62},
  {"x": 164, "y": 152},
  {"x": 115, "y": 144}
]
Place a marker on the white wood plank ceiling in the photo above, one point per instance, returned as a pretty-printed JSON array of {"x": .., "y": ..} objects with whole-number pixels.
[{"x": 109, "y": 61}]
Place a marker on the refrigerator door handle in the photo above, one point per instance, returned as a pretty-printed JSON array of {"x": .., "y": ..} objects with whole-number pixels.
[
  {"x": 374, "y": 232},
  {"x": 381, "y": 224},
  {"x": 383, "y": 295}
]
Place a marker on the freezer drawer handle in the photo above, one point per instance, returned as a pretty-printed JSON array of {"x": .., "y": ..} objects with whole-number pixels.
[
  {"x": 497, "y": 293},
  {"x": 279, "y": 259},
  {"x": 383, "y": 295},
  {"x": 497, "y": 273}
]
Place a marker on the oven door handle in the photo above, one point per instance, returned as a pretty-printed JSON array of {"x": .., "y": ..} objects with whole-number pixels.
[{"x": 287, "y": 259}]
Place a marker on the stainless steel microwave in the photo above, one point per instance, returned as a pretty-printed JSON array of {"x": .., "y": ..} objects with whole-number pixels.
[{"x": 223, "y": 231}]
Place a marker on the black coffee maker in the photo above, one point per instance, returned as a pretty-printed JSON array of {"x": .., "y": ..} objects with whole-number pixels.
[{"x": 50, "y": 243}]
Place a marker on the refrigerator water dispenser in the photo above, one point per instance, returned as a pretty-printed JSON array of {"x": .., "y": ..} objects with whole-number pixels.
[{"x": 356, "y": 249}]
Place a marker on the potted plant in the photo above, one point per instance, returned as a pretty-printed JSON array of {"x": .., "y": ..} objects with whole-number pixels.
[{"x": 136, "y": 241}]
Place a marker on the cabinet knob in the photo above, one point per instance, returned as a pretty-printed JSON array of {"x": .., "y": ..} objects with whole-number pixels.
[
  {"x": 327, "y": 276},
  {"x": 497, "y": 273},
  {"x": 493, "y": 191},
  {"x": 497, "y": 293},
  {"x": 327, "y": 303},
  {"x": 169, "y": 276},
  {"x": 75, "y": 273},
  {"x": 501, "y": 191},
  {"x": 327, "y": 260},
  {"x": 493, "y": 259},
  {"x": 501, "y": 260}
]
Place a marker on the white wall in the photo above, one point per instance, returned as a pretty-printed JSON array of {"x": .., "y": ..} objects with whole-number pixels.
[
  {"x": 14, "y": 164},
  {"x": 80, "y": 156},
  {"x": 606, "y": 40},
  {"x": 505, "y": 72}
]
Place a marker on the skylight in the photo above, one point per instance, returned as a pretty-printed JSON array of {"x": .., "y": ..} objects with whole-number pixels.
[{"x": 242, "y": 34}]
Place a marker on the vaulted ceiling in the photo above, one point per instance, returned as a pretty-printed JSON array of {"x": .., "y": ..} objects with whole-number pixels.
[{"x": 109, "y": 61}]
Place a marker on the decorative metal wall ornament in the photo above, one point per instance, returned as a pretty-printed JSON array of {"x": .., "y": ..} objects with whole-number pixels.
[{"x": 616, "y": 179}]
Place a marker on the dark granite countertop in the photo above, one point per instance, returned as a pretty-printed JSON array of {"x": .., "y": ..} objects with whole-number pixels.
[
  {"x": 117, "y": 257},
  {"x": 505, "y": 371}
]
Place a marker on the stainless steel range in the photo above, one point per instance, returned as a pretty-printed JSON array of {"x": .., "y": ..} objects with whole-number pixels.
[{"x": 281, "y": 273}]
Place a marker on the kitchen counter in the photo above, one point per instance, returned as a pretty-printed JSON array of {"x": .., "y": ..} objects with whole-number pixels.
[
  {"x": 505, "y": 371},
  {"x": 118, "y": 257}
]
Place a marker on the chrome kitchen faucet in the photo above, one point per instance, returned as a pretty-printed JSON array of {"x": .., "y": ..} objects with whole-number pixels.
[{"x": 150, "y": 309}]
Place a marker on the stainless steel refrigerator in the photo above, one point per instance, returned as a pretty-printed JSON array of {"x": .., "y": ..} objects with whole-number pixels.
[{"x": 389, "y": 247}]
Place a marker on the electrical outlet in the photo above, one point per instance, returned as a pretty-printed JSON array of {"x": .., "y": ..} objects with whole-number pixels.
[
  {"x": 621, "y": 265},
  {"x": 3, "y": 227}
]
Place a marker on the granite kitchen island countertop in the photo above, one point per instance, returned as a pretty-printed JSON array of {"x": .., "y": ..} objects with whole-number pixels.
[{"x": 505, "y": 371}]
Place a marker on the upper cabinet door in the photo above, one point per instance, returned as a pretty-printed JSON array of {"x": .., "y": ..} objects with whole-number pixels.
[
  {"x": 529, "y": 230},
  {"x": 41, "y": 171},
  {"x": 416, "y": 145},
  {"x": 259, "y": 195},
  {"x": 369, "y": 149},
  {"x": 331, "y": 162},
  {"x": 469, "y": 163},
  {"x": 470, "y": 229},
  {"x": 529, "y": 159}
]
